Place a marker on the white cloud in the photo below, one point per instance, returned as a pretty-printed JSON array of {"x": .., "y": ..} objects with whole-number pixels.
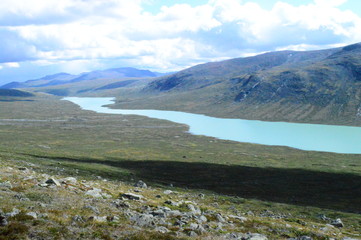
[{"x": 86, "y": 33}]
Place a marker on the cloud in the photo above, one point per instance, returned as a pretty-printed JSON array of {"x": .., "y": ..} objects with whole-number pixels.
[{"x": 92, "y": 33}]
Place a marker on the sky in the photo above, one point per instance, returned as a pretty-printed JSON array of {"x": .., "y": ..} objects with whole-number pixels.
[{"x": 42, "y": 37}]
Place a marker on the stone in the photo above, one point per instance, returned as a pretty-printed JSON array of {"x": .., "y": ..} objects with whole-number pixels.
[
  {"x": 202, "y": 219},
  {"x": 167, "y": 192},
  {"x": 201, "y": 195},
  {"x": 78, "y": 218},
  {"x": 305, "y": 238},
  {"x": 337, "y": 223},
  {"x": 162, "y": 229},
  {"x": 143, "y": 220},
  {"x": 22, "y": 168},
  {"x": 70, "y": 180},
  {"x": 220, "y": 218},
  {"x": 255, "y": 236},
  {"x": 98, "y": 219},
  {"x": 52, "y": 181},
  {"x": 172, "y": 203},
  {"x": 32, "y": 214},
  {"x": 13, "y": 213},
  {"x": 120, "y": 204},
  {"x": 241, "y": 219},
  {"x": 193, "y": 209},
  {"x": 132, "y": 196},
  {"x": 3, "y": 220},
  {"x": 92, "y": 208},
  {"x": 140, "y": 184},
  {"x": 6, "y": 184},
  {"x": 95, "y": 193}
]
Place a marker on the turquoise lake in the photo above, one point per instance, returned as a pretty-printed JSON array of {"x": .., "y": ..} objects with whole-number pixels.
[{"x": 312, "y": 137}]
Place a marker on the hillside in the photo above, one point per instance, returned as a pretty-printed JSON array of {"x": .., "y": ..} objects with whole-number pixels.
[
  {"x": 313, "y": 86},
  {"x": 14, "y": 93}
]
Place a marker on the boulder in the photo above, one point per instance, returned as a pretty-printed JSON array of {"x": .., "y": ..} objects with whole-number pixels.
[
  {"x": 143, "y": 220},
  {"x": 337, "y": 223},
  {"x": 95, "y": 192},
  {"x": 132, "y": 196},
  {"x": 52, "y": 181},
  {"x": 140, "y": 184}
]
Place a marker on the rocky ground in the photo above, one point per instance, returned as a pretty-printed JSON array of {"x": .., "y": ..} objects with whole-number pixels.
[{"x": 40, "y": 204}]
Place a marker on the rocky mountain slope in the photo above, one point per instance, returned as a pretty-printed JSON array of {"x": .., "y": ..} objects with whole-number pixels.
[
  {"x": 48, "y": 203},
  {"x": 313, "y": 86}
]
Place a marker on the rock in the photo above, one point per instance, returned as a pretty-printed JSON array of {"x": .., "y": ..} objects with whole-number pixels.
[
  {"x": 220, "y": 218},
  {"x": 132, "y": 196},
  {"x": 22, "y": 168},
  {"x": 140, "y": 184},
  {"x": 13, "y": 213},
  {"x": 3, "y": 220},
  {"x": 337, "y": 223},
  {"x": 21, "y": 197},
  {"x": 92, "y": 208},
  {"x": 70, "y": 180},
  {"x": 113, "y": 219},
  {"x": 98, "y": 219},
  {"x": 52, "y": 181},
  {"x": 202, "y": 219},
  {"x": 6, "y": 184},
  {"x": 143, "y": 220},
  {"x": 241, "y": 219},
  {"x": 167, "y": 192},
  {"x": 201, "y": 195},
  {"x": 172, "y": 203},
  {"x": 120, "y": 204},
  {"x": 78, "y": 218},
  {"x": 255, "y": 236},
  {"x": 32, "y": 214},
  {"x": 305, "y": 238},
  {"x": 95, "y": 192},
  {"x": 192, "y": 234},
  {"x": 159, "y": 213},
  {"x": 162, "y": 229},
  {"x": 193, "y": 209}
]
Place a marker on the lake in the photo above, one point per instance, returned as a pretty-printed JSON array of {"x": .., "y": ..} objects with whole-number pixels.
[{"x": 311, "y": 137}]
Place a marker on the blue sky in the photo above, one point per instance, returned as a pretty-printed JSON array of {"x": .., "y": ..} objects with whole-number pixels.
[{"x": 42, "y": 37}]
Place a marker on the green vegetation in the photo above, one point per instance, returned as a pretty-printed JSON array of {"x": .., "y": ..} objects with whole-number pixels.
[{"x": 60, "y": 139}]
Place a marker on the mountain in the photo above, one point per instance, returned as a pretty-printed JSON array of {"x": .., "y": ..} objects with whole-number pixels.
[
  {"x": 310, "y": 86},
  {"x": 14, "y": 93},
  {"x": 65, "y": 78}
]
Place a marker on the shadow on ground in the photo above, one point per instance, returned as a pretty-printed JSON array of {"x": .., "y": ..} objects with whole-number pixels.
[{"x": 293, "y": 186}]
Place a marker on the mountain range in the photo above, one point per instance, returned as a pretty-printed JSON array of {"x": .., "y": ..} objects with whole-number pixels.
[{"x": 321, "y": 86}]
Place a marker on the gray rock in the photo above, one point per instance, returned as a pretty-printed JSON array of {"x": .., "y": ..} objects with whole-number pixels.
[
  {"x": 13, "y": 213},
  {"x": 95, "y": 193},
  {"x": 92, "y": 208},
  {"x": 202, "y": 219},
  {"x": 172, "y": 203},
  {"x": 6, "y": 184},
  {"x": 32, "y": 214},
  {"x": 192, "y": 234},
  {"x": 305, "y": 238},
  {"x": 98, "y": 219},
  {"x": 241, "y": 219},
  {"x": 52, "y": 181},
  {"x": 78, "y": 218},
  {"x": 193, "y": 209},
  {"x": 220, "y": 218},
  {"x": 143, "y": 220},
  {"x": 167, "y": 192},
  {"x": 140, "y": 184},
  {"x": 132, "y": 196},
  {"x": 159, "y": 213},
  {"x": 120, "y": 204},
  {"x": 162, "y": 229},
  {"x": 3, "y": 220},
  {"x": 337, "y": 223},
  {"x": 255, "y": 236},
  {"x": 70, "y": 180}
]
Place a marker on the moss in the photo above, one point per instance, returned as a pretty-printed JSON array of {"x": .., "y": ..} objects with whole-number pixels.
[{"x": 13, "y": 231}]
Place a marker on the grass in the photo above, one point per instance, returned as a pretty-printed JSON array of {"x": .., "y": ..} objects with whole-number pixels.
[{"x": 62, "y": 139}]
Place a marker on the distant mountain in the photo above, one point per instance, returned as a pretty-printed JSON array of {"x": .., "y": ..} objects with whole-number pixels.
[
  {"x": 14, "y": 93},
  {"x": 65, "y": 78},
  {"x": 312, "y": 86}
]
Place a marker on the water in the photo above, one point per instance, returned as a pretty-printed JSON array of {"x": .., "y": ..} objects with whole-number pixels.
[{"x": 313, "y": 137}]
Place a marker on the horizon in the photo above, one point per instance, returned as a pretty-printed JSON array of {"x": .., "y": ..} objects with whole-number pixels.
[{"x": 162, "y": 36}]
